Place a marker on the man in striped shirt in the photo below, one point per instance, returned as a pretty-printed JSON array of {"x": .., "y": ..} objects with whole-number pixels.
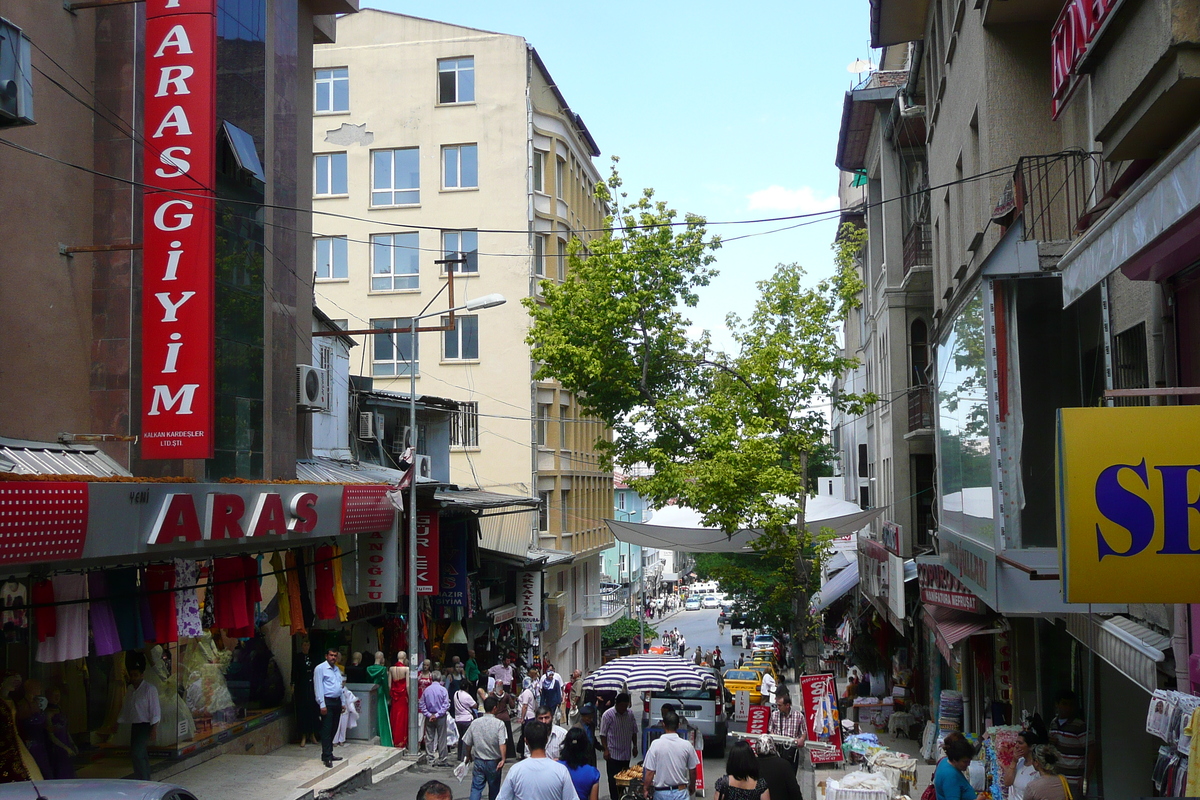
[
  {"x": 1069, "y": 734},
  {"x": 618, "y": 735}
]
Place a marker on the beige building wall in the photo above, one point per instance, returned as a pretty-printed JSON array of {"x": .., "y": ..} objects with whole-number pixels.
[{"x": 532, "y": 439}]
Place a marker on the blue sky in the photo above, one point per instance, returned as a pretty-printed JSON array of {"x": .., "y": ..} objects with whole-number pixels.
[{"x": 728, "y": 111}]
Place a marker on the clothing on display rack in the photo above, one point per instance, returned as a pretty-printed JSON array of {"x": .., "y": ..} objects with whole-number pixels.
[
  {"x": 14, "y": 599},
  {"x": 44, "y": 613},
  {"x": 160, "y": 586},
  {"x": 105, "y": 638},
  {"x": 323, "y": 570},
  {"x": 70, "y": 639}
]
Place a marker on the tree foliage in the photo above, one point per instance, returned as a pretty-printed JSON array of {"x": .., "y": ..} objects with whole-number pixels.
[
  {"x": 622, "y": 633},
  {"x": 729, "y": 434}
]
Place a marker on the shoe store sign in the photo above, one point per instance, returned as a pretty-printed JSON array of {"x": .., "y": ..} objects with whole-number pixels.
[
  {"x": 1071, "y": 39},
  {"x": 1129, "y": 504},
  {"x": 178, "y": 227}
]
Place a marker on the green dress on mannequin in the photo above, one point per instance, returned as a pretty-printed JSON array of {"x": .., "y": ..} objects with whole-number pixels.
[{"x": 378, "y": 674}]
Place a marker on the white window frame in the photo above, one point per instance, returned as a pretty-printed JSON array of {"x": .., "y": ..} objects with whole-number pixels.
[
  {"x": 452, "y": 153},
  {"x": 386, "y": 243},
  {"x": 544, "y": 511},
  {"x": 400, "y": 341},
  {"x": 461, "y": 323},
  {"x": 561, "y": 259},
  {"x": 324, "y": 163},
  {"x": 539, "y": 254},
  {"x": 391, "y": 187},
  {"x": 564, "y": 510},
  {"x": 334, "y": 246},
  {"x": 539, "y": 171},
  {"x": 543, "y": 424},
  {"x": 331, "y": 80},
  {"x": 453, "y": 249},
  {"x": 464, "y": 426},
  {"x": 560, "y": 178},
  {"x": 458, "y": 70}
]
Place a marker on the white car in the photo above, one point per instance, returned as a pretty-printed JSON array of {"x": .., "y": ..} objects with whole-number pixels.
[
  {"x": 709, "y": 601},
  {"x": 692, "y": 604}
]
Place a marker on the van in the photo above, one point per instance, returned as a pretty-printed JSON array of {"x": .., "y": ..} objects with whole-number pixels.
[{"x": 704, "y": 710}]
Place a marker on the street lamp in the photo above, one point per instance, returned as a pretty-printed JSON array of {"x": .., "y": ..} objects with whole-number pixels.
[{"x": 479, "y": 303}]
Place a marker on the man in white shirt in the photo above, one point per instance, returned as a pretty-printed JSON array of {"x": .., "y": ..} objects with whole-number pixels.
[
  {"x": 526, "y": 711},
  {"x": 327, "y": 685},
  {"x": 502, "y": 673},
  {"x": 557, "y": 734},
  {"x": 538, "y": 777},
  {"x": 141, "y": 710},
  {"x": 669, "y": 769},
  {"x": 768, "y": 688}
]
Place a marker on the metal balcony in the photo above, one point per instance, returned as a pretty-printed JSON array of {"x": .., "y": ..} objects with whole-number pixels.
[{"x": 604, "y": 609}]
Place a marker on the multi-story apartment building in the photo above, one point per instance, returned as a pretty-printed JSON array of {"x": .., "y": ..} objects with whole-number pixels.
[
  {"x": 435, "y": 141},
  {"x": 1062, "y": 205}
]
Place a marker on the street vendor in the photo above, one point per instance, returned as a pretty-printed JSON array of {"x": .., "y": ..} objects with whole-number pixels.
[{"x": 786, "y": 722}]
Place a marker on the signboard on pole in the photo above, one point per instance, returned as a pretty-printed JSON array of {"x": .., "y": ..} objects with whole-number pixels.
[
  {"x": 453, "y": 557},
  {"x": 529, "y": 597},
  {"x": 819, "y": 697},
  {"x": 428, "y": 567},
  {"x": 178, "y": 229},
  {"x": 741, "y": 705},
  {"x": 759, "y": 719}
]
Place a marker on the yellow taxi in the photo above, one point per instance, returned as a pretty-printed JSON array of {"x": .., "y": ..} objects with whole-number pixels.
[
  {"x": 761, "y": 666},
  {"x": 738, "y": 679}
]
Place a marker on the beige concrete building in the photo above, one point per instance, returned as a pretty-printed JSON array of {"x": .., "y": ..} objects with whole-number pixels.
[{"x": 433, "y": 140}]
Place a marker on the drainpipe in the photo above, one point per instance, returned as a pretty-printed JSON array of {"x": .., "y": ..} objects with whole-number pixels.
[{"x": 1179, "y": 643}]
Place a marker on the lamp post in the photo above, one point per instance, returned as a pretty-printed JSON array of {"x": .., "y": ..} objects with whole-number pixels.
[
  {"x": 487, "y": 301},
  {"x": 641, "y": 611}
]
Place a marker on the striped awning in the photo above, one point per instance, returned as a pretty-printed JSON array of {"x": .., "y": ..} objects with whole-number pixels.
[
  {"x": 951, "y": 627},
  {"x": 652, "y": 672},
  {"x": 1130, "y": 647}
]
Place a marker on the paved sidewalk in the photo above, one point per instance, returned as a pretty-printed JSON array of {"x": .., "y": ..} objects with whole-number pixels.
[{"x": 288, "y": 773}]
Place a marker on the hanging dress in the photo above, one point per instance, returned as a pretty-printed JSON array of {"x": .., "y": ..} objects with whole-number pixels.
[
  {"x": 378, "y": 675},
  {"x": 105, "y": 638},
  {"x": 70, "y": 639},
  {"x": 293, "y": 599},
  {"x": 308, "y": 713},
  {"x": 324, "y": 595},
  {"x": 159, "y": 586},
  {"x": 187, "y": 604},
  {"x": 399, "y": 717}
]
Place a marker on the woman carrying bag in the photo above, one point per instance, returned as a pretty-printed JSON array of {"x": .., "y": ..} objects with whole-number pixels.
[
  {"x": 463, "y": 705},
  {"x": 1048, "y": 785}
]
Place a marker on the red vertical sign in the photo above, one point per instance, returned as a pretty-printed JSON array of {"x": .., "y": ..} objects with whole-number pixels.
[
  {"x": 429, "y": 570},
  {"x": 178, "y": 229},
  {"x": 819, "y": 695},
  {"x": 759, "y": 719}
]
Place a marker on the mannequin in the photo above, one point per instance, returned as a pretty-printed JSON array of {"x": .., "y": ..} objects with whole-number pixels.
[
  {"x": 398, "y": 684},
  {"x": 177, "y": 723},
  {"x": 379, "y": 674},
  {"x": 16, "y": 762}
]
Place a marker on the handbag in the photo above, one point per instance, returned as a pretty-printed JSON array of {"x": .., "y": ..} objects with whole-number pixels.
[
  {"x": 930, "y": 792},
  {"x": 1066, "y": 787}
]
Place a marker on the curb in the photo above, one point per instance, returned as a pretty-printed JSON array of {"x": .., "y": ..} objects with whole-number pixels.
[{"x": 358, "y": 777}]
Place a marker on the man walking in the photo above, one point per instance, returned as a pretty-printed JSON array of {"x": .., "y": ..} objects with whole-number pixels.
[
  {"x": 669, "y": 769},
  {"x": 433, "y": 705},
  {"x": 503, "y": 673},
  {"x": 587, "y": 724},
  {"x": 486, "y": 744},
  {"x": 552, "y": 690},
  {"x": 557, "y": 734},
  {"x": 538, "y": 777},
  {"x": 141, "y": 710},
  {"x": 575, "y": 697},
  {"x": 327, "y": 685},
  {"x": 618, "y": 735},
  {"x": 471, "y": 668},
  {"x": 767, "y": 689}
]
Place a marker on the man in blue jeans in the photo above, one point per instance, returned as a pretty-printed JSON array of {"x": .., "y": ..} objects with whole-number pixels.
[{"x": 485, "y": 746}]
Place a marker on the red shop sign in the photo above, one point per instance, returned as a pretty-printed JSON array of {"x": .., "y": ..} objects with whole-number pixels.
[
  {"x": 818, "y": 693},
  {"x": 429, "y": 571},
  {"x": 178, "y": 228},
  {"x": 939, "y": 587},
  {"x": 1070, "y": 39}
]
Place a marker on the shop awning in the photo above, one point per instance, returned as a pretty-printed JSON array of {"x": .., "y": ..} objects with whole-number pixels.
[
  {"x": 835, "y": 589},
  {"x": 1131, "y": 648},
  {"x": 951, "y": 627},
  {"x": 503, "y": 613},
  {"x": 321, "y": 469},
  {"x": 1149, "y": 232},
  {"x": 475, "y": 500},
  {"x": 22, "y": 457},
  {"x": 670, "y": 577}
]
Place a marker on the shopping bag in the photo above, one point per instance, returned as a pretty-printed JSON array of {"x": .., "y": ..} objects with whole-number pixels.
[
  {"x": 460, "y": 771},
  {"x": 451, "y": 734}
]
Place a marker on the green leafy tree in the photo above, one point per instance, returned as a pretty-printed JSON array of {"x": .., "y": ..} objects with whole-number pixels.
[
  {"x": 727, "y": 434},
  {"x": 623, "y": 632}
]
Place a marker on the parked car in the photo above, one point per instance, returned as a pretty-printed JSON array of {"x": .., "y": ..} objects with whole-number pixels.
[
  {"x": 692, "y": 604},
  {"x": 704, "y": 710},
  {"x": 742, "y": 679},
  {"x": 94, "y": 789},
  {"x": 709, "y": 601},
  {"x": 727, "y": 604},
  {"x": 761, "y": 667}
]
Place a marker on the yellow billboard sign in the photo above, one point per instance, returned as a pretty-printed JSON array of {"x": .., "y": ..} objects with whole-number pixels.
[{"x": 1129, "y": 504}]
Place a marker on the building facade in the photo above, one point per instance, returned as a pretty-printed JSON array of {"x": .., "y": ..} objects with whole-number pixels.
[{"x": 481, "y": 160}]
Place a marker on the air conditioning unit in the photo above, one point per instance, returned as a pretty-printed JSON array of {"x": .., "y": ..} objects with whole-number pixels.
[
  {"x": 424, "y": 467},
  {"x": 16, "y": 77},
  {"x": 370, "y": 424},
  {"x": 312, "y": 388}
]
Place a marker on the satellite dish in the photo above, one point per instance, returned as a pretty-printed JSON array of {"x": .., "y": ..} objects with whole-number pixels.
[{"x": 860, "y": 65}]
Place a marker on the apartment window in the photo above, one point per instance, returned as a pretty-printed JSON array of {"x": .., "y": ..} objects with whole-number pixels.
[
  {"x": 543, "y": 421},
  {"x": 544, "y": 511},
  {"x": 464, "y": 425},
  {"x": 462, "y": 343},
  {"x": 331, "y": 90},
  {"x": 456, "y": 80},
  {"x": 539, "y": 171},
  {"x": 620, "y": 501},
  {"x": 862, "y": 461},
  {"x": 396, "y": 178},
  {"x": 394, "y": 354},
  {"x": 329, "y": 174},
  {"x": 560, "y": 179},
  {"x": 395, "y": 262},
  {"x": 456, "y": 244},
  {"x": 561, "y": 258},
  {"x": 460, "y": 166},
  {"x": 329, "y": 257},
  {"x": 565, "y": 511},
  {"x": 539, "y": 255},
  {"x": 1131, "y": 369},
  {"x": 563, "y": 418}
]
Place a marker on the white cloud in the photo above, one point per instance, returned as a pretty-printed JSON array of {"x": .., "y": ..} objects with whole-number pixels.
[{"x": 802, "y": 200}]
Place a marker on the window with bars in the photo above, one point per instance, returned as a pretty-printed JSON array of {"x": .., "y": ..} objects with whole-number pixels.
[
  {"x": 1131, "y": 368},
  {"x": 464, "y": 425}
]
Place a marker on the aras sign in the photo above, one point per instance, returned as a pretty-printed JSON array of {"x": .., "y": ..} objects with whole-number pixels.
[
  {"x": 179, "y": 173},
  {"x": 1129, "y": 504}
]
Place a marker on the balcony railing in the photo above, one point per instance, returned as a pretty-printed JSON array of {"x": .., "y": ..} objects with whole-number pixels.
[
  {"x": 604, "y": 606},
  {"x": 918, "y": 247},
  {"x": 920, "y": 408},
  {"x": 1051, "y": 192}
]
